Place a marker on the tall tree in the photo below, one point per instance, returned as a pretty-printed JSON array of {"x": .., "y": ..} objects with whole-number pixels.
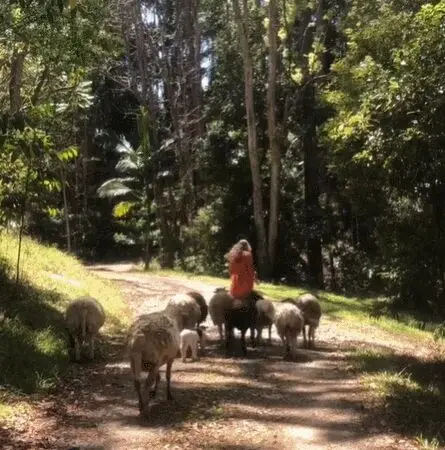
[
  {"x": 242, "y": 21},
  {"x": 274, "y": 142}
]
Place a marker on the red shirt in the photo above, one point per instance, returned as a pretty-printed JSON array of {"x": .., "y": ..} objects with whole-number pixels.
[{"x": 242, "y": 275}]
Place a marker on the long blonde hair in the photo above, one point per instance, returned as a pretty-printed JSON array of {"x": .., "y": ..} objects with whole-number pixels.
[{"x": 241, "y": 246}]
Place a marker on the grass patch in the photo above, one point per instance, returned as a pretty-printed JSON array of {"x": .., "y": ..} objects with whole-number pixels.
[
  {"x": 33, "y": 344},
  {"x": 407, "y": 391}
]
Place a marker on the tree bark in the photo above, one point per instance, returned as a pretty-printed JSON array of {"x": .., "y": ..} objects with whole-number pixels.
[
  {"x": 272, "y": 132},
  {"x": 242, "y": 23},
  {"x": 66, "y": 210},
  {"x": 312, "y": 191},
  {"x": 15, "y": 84}
]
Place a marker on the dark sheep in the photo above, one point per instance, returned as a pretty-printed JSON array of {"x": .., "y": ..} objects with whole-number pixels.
[{"x": 242, "y": 318}]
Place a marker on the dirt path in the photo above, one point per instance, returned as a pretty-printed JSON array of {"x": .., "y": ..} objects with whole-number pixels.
[{"x": 260, "y": 402}]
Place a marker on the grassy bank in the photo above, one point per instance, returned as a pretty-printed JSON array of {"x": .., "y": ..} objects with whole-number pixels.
[{"x": 33, "y": 347}]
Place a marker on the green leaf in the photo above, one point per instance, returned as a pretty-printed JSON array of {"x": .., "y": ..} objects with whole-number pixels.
[
  {"x": 68, "y": 154},
  {"x": 123, "y": 208}
]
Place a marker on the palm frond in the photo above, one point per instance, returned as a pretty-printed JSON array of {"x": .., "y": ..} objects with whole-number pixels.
[{"x": 113, "y": 188}]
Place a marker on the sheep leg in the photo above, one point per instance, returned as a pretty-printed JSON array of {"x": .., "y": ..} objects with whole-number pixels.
[
  {"x": 286, "y": 347},
  {"x": 137, "y": 387},
  {"x": 195, "y": 352},
  {"x": 220, "y": 331},
  {"x": 92, "y": 347},
  {"x": 252, "y": 336},
  {"x": 304, "y": 336},
  {"x": 136, "y": 368},
  {"x": 270, "y": 334},
  {"x": 155, "y": 389},
  {"x": 312, "y": 336},
  {"x": 168, "y": 375},
  {"x": 293, "y": 346},
  {"x": 77, "y": 348},
  {"x": 259, "y": 332},
  {"x": 183, "y": 351},
  {"x": 228, "y": 329},
  {"x": 243, "y": 342}
]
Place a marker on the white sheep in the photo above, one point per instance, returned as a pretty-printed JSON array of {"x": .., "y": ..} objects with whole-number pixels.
[
  {"x": 191, "y": 339},
  {"x": 84, "y": 317},
  {"x": 289, "y": 322},
  {"x": 221, "y": 302},
  {"x": 265, "y": 317},
  {"x": 154, "y": 340},
  {"x": 311, "y": 310},
  {"x": 185, "y": 310}
]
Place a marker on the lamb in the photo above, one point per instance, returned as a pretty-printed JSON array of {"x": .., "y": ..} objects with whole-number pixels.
[
  {"x": 311, "y": 310},
  {"x": 243, "y": 317},
  {"x": 289, "y": 322},
  {"x": 218, "y": 304},
  {"x": 84, "y": 317},
  {"x": 154, "y": 340},
  {"x": 189, "y": 339},
  {"x": 265, "y": 317},
  {"x": 185, "y": 310}
]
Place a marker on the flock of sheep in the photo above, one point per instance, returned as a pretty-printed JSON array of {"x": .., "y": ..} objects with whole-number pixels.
[{"x": 156, "y": 339}]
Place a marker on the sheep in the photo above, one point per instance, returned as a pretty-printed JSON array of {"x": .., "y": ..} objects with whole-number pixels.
[
  {"x": 154, "y": 340},
  {"x": 289, "y": 322},
  {"x": 189, "y": 339},
  {"x": 84, "y": 317},
  {"x": 243, "y": 317},
  {"x": 185, "y": 310},
  {"x": 311, "y": 310},
  {"x": 218, "y": 304},
  {"x": 265, "y": 317},
  {"x": 202, "y": 304}
]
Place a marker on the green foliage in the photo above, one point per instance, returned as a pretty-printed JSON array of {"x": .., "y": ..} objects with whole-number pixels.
[
  {"x": 202, "y": 252},
  {"x": 387, "y": 138}
]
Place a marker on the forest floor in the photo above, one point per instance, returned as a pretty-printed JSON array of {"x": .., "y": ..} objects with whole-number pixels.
[{"x": 258, "y": 402}]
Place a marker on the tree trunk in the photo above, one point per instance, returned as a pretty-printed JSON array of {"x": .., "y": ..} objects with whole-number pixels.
[
  {"x": 66, "y": 211},
  {"x": 242, "y": 23},
  {"x": 22, "y": 222},
  {"x": 272, "y": 132},
  {"x": 312, "y": 190},
  {"x": 15, "y": 84}
]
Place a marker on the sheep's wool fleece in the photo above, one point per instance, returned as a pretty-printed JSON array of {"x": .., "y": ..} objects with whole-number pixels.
[
  {"x": 310, "y": 307},
  {"x": 154, "y": 335},
  {"x": 288, "y": 316},
  {"x": 219, "y": 303},
  {"x": 95, "y": 314}
]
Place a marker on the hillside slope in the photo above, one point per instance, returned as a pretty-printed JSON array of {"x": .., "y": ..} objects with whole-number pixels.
[{"x": 33, "y": 350}]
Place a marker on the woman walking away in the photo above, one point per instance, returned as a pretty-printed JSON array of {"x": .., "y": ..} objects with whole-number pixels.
[{"x": 242, "y": 271}]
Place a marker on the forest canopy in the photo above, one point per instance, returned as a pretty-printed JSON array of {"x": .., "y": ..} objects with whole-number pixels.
[{"x": 167, "y": 130}]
